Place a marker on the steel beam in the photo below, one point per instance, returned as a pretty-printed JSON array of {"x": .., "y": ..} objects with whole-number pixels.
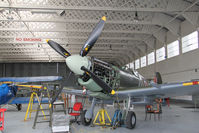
[{"x": 176, "y": 6}]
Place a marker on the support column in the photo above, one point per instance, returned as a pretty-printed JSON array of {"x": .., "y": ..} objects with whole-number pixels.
[
  {"x": 165, "y": 46},
  {"x": 198, "y": 36},
  {"x": 4, "y": 70},
  {"x": 180, "y": 41},
  {"x": 155, "y": 57},
  {"x": 146, "y": 55}
]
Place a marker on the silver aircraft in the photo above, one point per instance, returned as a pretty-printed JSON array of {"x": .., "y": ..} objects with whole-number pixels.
[{"x": 107, "y": 82}]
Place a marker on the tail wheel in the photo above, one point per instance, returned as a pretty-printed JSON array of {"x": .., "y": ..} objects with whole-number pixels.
[
  {"x": 85, "y": 121},
  {"x": 130, "y": 120}
]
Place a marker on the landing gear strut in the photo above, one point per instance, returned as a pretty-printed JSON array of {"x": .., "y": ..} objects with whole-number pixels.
[{"x": 87, "y": 115}]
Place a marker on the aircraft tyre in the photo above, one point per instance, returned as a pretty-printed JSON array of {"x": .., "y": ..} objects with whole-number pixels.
[
  {"x": 85, "y": 121},
  {"x": 130, "y": 120},
  {"x": 19, "y": 107}
]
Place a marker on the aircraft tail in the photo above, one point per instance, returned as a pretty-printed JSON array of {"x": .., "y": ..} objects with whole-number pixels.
[{"x": 158, "y": 78}]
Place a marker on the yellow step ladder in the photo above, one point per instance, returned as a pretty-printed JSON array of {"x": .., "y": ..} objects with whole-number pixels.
[
  {"x": 31, "y": 102},
  {"x": 44, "y": 92}
]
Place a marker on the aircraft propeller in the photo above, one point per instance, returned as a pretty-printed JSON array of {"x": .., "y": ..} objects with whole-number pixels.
[
  {"x": 93, "y": 37},
  {"x": 88, "y": 44},
  {"x": 57, "y": 47},
  {"x": 83, "y": 52}
]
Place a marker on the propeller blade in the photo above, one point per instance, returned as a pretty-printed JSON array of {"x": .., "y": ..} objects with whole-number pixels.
[
  {"x": 58, "y": 48},
  {"x": 93, "y": 37},
  {"x": 99, "y": 81}
]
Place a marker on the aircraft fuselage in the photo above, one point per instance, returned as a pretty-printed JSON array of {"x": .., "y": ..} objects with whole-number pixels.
[
  {"x": 6, "y": 93},
  {"x": 112, "y": 75}
]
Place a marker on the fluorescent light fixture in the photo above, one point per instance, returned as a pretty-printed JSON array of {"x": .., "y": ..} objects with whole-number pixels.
[
  {"x": 1, "y": 9},
  {"x": 43, "y": 12},
  {"x": 61, "y": 12},
  {"x": 58, "y": 12}
]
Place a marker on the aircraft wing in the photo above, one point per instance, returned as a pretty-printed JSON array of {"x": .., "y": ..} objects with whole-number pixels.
[
  {"x": 74, "y": 91},
  {"x": 30, "y": 79},
  {"x": 25, "y": 100},
  {"x": 162, "y": 90}
]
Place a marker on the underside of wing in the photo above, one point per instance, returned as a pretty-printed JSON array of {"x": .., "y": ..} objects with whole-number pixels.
[
  {"x": 73, "y": 91},
  {"x": 30, "y": 79},
  {"x": 25, "y": 100}
]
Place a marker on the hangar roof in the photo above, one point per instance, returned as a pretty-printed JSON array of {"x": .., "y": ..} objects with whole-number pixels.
[{"x": 132, "y": 29}]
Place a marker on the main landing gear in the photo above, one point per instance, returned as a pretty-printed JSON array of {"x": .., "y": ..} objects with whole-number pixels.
[
  {"x": 130, "y": 120},
  {"x": 85, "y": 121},
  {"x": 127, "y": 117},
  {"x": 87, "y": 115}
]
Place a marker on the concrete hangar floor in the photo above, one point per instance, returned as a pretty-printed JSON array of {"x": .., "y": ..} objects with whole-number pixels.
[{"x": 179, "y": 118}]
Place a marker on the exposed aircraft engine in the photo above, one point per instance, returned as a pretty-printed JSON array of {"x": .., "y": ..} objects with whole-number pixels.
[{"x": 106, "y": 72}]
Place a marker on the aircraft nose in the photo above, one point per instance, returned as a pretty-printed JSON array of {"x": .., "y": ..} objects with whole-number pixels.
[{"x": 75, "y": 62}]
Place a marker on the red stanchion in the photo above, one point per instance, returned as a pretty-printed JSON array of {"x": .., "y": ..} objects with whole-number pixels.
[{"x": 2, "y": 119}]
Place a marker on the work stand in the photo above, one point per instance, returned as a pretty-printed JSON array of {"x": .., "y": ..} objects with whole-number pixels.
[
  {"x": 44, "y": 92},
  {"x": 31, "y": 102},
  {"x": 101, "y": 118}
]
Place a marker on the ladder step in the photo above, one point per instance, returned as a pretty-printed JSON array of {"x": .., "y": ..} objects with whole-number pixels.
[
  {"x": 46, "y": 108},
  {"x": 42, "y": 109},
  {"x": 42, "y": 121},
  {"x": 58, "y": 103},
  {"x": 59, "y": 110},
  {"x": 44, "y": 103},
  {"x": 42, "y": 115}
]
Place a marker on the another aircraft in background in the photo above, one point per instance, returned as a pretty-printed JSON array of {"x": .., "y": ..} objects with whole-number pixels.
[
  {"x": 9, "y": 87},
  {"x": 107, "y": 82}
]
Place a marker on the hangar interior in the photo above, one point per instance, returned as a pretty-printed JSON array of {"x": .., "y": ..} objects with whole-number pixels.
[
  {"x": 133, "y": 30},
  {"x": 148, "y": 36}
]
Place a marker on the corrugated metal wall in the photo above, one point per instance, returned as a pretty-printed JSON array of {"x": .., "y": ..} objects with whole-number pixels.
[{"x": 37, "y": 69}]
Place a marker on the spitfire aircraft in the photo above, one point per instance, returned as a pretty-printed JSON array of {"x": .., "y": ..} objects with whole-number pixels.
[
  {"x": 9, "y": 87},
  {"x": 108, "y": 82}
]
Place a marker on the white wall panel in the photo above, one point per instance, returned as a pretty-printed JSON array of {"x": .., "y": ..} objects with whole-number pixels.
[{"x": 179, "y": 68}]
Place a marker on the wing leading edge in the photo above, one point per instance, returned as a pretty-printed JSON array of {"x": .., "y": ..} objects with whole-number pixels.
[{"x": 163, "y": 90}]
